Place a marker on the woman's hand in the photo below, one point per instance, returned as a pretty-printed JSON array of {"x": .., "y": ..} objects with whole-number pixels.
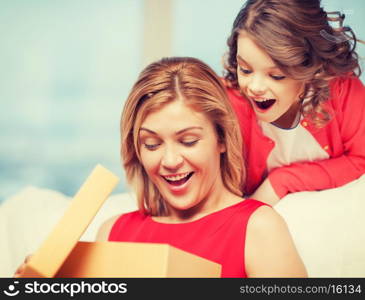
[
  {"x": 265, "y": 193},
  {"x": 21, "y": 268}
]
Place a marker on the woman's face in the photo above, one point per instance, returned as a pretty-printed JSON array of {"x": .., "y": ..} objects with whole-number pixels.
[
  {"x": 181, "y": 155},
  {"x": 274, "y": 97}
]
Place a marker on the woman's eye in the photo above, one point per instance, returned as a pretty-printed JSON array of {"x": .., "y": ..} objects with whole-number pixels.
[
  {"x": 277, "y": 77},
  {"x": 245, "y": 71},
  {"x": 189, "y": 143},
  {"x": 151, "y": 146}
]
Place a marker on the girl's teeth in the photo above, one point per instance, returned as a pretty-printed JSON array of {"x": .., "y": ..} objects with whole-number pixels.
[{"x": 265, "y": 104}]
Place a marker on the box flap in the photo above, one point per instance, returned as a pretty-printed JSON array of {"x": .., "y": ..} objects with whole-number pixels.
[{"x": 83, "y": 207}]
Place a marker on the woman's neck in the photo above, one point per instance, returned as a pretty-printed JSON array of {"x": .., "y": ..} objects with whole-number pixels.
[{"x": 219, "y": 198}]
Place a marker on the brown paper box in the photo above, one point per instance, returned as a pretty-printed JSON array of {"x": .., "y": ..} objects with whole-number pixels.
[
  {"x": 63, "y": 255},
  {"x": 117, "y": 259}
]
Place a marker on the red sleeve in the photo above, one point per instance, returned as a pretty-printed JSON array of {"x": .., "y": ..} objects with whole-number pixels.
[{"x": 349, "y": 106}]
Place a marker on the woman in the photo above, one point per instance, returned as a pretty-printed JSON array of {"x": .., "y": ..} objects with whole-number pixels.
[{"x": 181, "y": 150}]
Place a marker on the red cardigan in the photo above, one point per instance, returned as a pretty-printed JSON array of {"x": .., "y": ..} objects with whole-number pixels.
[{"x": 343, "y": 138}]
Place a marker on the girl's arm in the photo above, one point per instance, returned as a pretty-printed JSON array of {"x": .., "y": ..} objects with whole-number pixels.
[
  {"x": 270, "y": 250},
  {"x": 346, "y": 145}
]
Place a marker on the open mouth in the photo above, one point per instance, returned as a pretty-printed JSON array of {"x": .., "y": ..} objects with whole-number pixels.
[
  {"x": 266, "y": 104},
  {"x": 178, "y": 179}
]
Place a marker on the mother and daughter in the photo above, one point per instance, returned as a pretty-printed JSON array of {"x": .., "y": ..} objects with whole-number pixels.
[
  {"x": 292, "y": 80},
  {"x": 207, "y": 156},
  {"x": 181, "y": 150}
]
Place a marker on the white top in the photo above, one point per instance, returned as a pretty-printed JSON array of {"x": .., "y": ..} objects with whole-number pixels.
[{"x": 291, "y": 145}]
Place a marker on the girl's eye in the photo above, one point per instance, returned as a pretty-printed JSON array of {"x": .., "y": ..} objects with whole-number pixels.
[
  {"x": 245, "y": 71},
  {"x": 151, "y": 147},
  {"x": 189, "y": 143},
  {"x": 277, "y": 77}
]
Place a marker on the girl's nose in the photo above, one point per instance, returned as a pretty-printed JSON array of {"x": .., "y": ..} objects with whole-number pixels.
[{"x": 256, "y": 86}]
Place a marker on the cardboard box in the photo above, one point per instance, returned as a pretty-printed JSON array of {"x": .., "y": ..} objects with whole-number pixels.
[
  {"x": 117, "y": 259},
  {"x": 63, "y": 255}
]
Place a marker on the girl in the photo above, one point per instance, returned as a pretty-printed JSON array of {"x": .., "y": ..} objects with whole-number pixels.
[
  {"x": 181, "y": 150},
  {"x": 293, "y": 82}
]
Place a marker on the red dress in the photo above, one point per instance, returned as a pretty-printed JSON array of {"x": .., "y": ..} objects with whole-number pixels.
[{"x": 219, "y": 237}]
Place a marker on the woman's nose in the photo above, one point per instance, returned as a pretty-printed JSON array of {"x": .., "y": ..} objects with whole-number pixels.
[{"x": 172, "y": 159}]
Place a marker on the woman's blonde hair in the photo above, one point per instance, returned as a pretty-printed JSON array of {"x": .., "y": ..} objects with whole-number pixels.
[{"x": 197, "y": 84}]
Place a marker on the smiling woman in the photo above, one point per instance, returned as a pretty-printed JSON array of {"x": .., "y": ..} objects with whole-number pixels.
[
  {"x": 191, "y": 95},
  {"x": 181, "y": 150},
  {"x": 176, "y": 159}
]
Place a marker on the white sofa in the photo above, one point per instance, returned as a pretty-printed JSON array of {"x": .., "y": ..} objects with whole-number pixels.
[{"x": 328, "y": 227}]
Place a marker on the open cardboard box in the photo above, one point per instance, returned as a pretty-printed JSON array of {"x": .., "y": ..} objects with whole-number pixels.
[{"x": 63, "y": 255}]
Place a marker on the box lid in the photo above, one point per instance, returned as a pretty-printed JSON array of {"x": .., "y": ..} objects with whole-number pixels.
[{"x": 46, "y": 261}]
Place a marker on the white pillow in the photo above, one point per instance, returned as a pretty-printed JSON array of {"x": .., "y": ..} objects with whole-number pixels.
[
  {"x": 328, "y": 228},
  {"x": 27, "y": 218}
]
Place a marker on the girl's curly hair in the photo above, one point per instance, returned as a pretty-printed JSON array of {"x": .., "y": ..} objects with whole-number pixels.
[{"x": 297, "y": 36}]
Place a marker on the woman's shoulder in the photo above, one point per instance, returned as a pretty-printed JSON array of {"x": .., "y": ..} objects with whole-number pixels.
[
  {"x": 106, "y": 227},
  {"x": 265, "y": 219},
  {"x": 268, "y": 238}
]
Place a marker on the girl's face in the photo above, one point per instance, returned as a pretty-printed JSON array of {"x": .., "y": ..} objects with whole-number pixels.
[
  {"x": 180, "y": 152},
  {"x": 274, "y": 97}
]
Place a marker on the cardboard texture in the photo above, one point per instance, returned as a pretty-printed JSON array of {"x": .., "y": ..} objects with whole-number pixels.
[
  {"x": 122, "y": 259},
  {"x": 59, "y": 243},
  {"x": 63, "y": 255}
]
